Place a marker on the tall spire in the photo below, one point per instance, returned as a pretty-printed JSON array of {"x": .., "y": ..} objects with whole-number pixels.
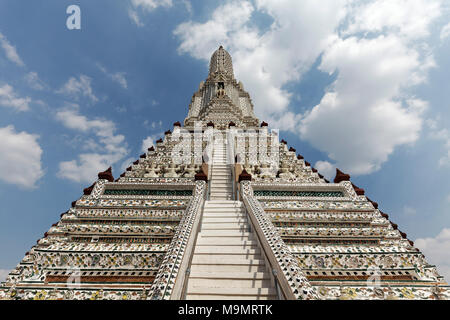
[{"x": 221, "y": 62}]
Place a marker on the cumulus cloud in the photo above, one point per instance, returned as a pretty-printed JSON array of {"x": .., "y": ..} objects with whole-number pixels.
[
  {"x": 360, "y": 121},
  {"x": 32, "y": 78},
  {"x": 146, "y": 6},
  {"x": 10, "y": 99},
  {"x": 150, "y": 5},
  {"x": 326, "y": 169},
  {"x": 443, "y": 135},
  {"x": 78, "y": 87},
  {"x": 10, "y": 51},
  {"x": 377, "y": 50},
  {"x": 409, "y": 211},
  {"x": 445, "y": 32},
  {"x": 107, "y": 149},
  {"x": 407, "y": 18},
  {"x": 437, "y": 251},
  {"x": 118, "y": 77},
  {"x": 3, "y": 274},
  {"x": 20, "y": 157},
  {"x": 150, "y": 141}
]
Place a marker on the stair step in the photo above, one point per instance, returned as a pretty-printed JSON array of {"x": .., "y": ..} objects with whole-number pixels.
[
  {"x": 218, "y": 219},
  {"x": 232, "y": 291},
  {"x": 221, "y": 186},
  {"x": 224, "y": 215},
  {"x": 223, "y": 203},
  {"x": 227, "y": 268},
  {"x": 228, "y": 283},
  {"x": 219, "y": 241},
  {"x": 231, "y": 297},
  {"x": 225, "y": 233},
  {"x": 231, "y": 275},
  {"x": 226, "y": 259},
  {"x": 228, "y": 211},
  {"x": 225, "y": 226},
  {"x": 227, "y": 250}
]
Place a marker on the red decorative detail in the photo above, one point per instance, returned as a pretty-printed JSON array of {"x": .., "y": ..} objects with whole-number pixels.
[
  {"x": 122, "y": 175},
  {"x": 314, "y": 170},
  {"x": 151, "y": 148},
  {"x": 159, "y": 140},
  {"x": 359, "y": 191},
  {"x": 264, "y": 124},
  {"x": 200, "y": 176},
  {"x": 136, "y": 162},
  {"x": 177, "y": 124},
  {"x": 300, "y": 157},
  {"x": 143, "y": 156},
  {"x": 45, "y": 235},
  {"x": 74, "y": 203},
  {"x": 411, "y": 243},
  {"x": 55, "y": 224},
  {"x": 403, "y": 234},
  {"x": 231, "y": 124},
  {"x": 107, "y": 175},
  {"x": 292, "y": 149},
  {"x": 320, "y": 176},
  {"x": 340, "y": 176},
  {"x": 129, "y": 169},
  {"x": 167, "y": 132},
  {"x": 27, "y": 253},
  {"x": 307, "y": 164},
  {"x": 283, "y": 141},
  {"x": 245, "y": 176},
  {"x": 384, "y": 215},
  {"x": 326, "y": 181},
  {"x": 87, "y": 191},
  {"x": 394, "y": 225},
  {"x": 210, "y": 124}
]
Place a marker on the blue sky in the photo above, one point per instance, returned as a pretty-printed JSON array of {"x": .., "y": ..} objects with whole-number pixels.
[{"x": 361, "y": 85}]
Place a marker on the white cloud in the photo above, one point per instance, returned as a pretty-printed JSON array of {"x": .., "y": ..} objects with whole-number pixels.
[
  {"x": 8, "y": 98},
  {"x": 34, "y": 81},
  {"x": 377, "y": 49},
  {"x": 407, "y": 18},
  {"x": 150, "y": 5},
  {"x": 10, "y": 51},
  {"x": 409, "y": 211},
  {"x": 437, "y": 251},
  {"x": 150, "y": 141},
  {"x": 147, "y": 6},
  {"x": 126, "y": 163},
  {"x": 326, "y": 169},
  {"x": 135, "y": 17},
  {"x": 20, "y": 157},
  {"x": 3, "y": 274},
  {"x": 361, "y": 120},
  {"x": 445, "y": 32},
  {"x": 440, "y": 134},
  {"x": 76, "y": 87},
  {"x": 109, "y": 147},
  {"x": 86, "y": 167},
  {"x": 118, "y": 77}
]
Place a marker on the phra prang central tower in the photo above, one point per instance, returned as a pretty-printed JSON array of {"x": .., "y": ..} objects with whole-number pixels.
[{"x": 242, "y": 216}]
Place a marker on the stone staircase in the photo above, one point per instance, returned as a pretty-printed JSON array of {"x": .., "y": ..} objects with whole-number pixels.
[
  {"x": 227, "y": 262},
  {"x": 221, "y": 180}
]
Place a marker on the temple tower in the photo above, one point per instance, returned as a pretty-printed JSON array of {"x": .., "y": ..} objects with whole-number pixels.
[{"x": 220, "y": 209}]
